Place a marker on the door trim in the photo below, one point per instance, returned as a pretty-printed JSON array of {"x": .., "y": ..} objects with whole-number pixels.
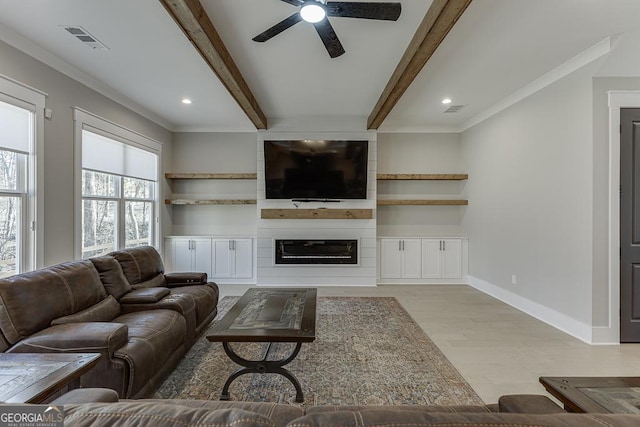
[{"x": 610, "y": 334}]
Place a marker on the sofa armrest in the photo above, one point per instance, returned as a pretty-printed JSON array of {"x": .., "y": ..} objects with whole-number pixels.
[
  {"x": 144, "y": 296},
  {"x": 91, "y": 337},
  {"x": 528, "y": 404},
  {"x": 185, "y": 279},
  {"x": 86, "y": 395}
]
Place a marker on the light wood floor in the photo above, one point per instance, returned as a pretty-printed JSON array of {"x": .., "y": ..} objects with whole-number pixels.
[{"x": 497, "y": 349}]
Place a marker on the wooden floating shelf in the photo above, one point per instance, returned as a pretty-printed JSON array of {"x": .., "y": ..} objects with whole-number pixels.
[
  {"x": 210, "y": 202},
  {"x": 316, "y": 214},
  {"x": 211, "y": 175},
  {"x": 423, "y": 202},
  {"x": 423, "y": 176}
]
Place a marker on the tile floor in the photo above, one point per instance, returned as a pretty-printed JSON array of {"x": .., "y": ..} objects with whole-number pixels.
[{"x": 498, "y": 349}]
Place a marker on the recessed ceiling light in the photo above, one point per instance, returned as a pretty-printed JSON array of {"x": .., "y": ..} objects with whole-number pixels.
[
  {"x": 186, "y": 101},
  {"x": 446, "y": 101}
]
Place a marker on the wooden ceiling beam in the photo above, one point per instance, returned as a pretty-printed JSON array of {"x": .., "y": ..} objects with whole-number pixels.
[
  {"x": 438, "y": 21},
  {"x": 196, "y": 25}
]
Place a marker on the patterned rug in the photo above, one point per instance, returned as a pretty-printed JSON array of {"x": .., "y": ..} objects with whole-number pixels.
[{"x": 368, "y": 351}]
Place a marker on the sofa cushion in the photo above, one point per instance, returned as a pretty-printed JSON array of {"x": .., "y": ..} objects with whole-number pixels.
[
  {"x": 141, "y": 265},
  {"x": 146, "y": 414},
  {"x": 155, "y": 337},
  {"x": 390, "y": 416},
  {"x": 280, "y": 414},
  {"x": 104, "y": 311},
  {"x": 144, "y": 295},
  {"x": 30, "y": 301},
  {"x": 111, "y": 275},
  {"x": 410, "y": 408},
  {"x": 205, "y": 297},
  {"x": 91, "y": 337}
]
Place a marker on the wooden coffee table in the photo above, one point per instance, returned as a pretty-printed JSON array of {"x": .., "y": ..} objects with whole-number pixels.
[
  {"x": 268, "y": 315},
  {"x": 596, "y": 394},
  {"x": 34, "y": 377}
]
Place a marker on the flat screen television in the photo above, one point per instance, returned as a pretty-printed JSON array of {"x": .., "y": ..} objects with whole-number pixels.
[{"x": 316, "y": 169}]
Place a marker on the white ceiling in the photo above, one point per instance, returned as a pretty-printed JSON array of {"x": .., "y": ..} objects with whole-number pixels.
[{"x": 497, "y": 48}]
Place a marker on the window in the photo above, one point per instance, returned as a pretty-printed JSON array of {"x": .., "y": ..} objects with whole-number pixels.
[
  {"x": 12, "y": 198},
  {"x": 107, "y": 198},
  {"x": 18, "y": 123},
  {"x": 118, "y": 193}
]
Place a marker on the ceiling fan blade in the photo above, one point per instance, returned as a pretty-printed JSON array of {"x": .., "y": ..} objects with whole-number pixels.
[
  {"x": 381, "y": 11},
  {"x": 294, "y": 2},
  {"x": 329, "y": 38},
  {"x": 278, "y": 28}
]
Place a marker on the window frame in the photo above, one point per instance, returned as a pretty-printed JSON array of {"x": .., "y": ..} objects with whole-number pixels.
[
  {"x": 31, "y": 228},
  {"x": 84, "y": 120}
]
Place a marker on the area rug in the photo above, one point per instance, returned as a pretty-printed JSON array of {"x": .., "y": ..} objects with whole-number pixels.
[{"x": 368, "y": 351}]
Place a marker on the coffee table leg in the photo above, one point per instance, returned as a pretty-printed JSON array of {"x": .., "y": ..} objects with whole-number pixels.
[{"x": 263, "y": 366}]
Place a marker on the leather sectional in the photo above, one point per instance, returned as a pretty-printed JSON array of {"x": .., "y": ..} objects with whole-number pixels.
[{"x": 121, "y": 305}]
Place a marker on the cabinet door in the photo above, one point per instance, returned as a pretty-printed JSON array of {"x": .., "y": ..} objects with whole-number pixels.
[
  {"x": 451, "y": 258},
  {"x": 180, "y": 255},
  {"x": 431, "y": 249},
  {"x": 242, "y": 258},
  {"x": 201, "y": 255},
  {"x": 411, "y": 258},
  {"x": 390, "y": 258},
  {"x": 222, "y": 262}
]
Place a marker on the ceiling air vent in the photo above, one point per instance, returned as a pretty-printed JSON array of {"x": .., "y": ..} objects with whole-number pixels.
[
  {"x": 454, "y": 109},
  {"x": 86, "y": 38}
]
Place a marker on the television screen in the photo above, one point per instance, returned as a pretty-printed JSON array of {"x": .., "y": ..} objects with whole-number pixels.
[{"x": 317, "y": 169}]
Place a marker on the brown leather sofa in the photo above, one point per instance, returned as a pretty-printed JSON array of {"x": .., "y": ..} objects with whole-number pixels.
[
  {"x": 91, "y": 306},
  {"x": 511, "y": 411}
]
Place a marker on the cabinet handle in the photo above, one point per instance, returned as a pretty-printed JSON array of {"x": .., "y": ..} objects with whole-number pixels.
[
  {"x": 234, "y": 245},
  {"x": 230, "y": 244},
  {"x": 444, "y": 245},
  {"x": 399, "y": 245},
  {"x": 403, "y": 245}
]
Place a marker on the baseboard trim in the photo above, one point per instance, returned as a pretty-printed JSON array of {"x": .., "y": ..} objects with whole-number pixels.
[{"x": 545, "y": 314}]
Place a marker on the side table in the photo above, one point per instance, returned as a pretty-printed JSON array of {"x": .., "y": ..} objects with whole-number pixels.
[{"x": 35, "y": 377}]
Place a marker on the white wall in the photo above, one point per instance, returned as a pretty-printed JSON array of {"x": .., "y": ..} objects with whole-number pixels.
[
  {"x": 214, "y": 153},
  {"x": 419, "y": 153},
  {"x": 530, "y": 208},
  {"x": 63, "y": 94}
]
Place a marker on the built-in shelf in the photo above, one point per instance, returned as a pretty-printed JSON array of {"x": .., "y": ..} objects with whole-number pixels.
[
  {"x": 423, "y": 176},
  {"x": 316, "y": 213},
  {"x": 210, "y": 202},
  {"x": 419, "y": 202},
  {"x": 211, "y": 175},
  {"x": 224, "y": 175}
]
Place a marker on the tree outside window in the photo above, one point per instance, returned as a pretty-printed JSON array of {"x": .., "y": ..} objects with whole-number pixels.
[
  {"x": 115, "y": 209},
  {"x": 12, "y": 194}
]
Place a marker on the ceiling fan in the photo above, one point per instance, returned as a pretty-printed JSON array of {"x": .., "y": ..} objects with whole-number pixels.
[{"x": 317, "y": 11}]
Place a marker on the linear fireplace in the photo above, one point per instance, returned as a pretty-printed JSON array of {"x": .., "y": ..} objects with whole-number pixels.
[{"x": 316, "y": 251}]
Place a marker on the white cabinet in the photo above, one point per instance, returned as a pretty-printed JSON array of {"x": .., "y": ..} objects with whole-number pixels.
[
  {"x": 400, "y": 258},
  {"x": 188, "y": 254},
  {"x": 422, "y": 260},
  {"x": 441, "y": 258},
  {"x": 232, "y": 258}
]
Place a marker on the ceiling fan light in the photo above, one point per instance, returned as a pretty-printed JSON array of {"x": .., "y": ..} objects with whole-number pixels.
[{"x": 312, "y": 12}]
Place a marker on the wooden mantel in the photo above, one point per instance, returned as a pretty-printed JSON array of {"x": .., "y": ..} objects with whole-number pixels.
[{"x": 316, "y": 213}]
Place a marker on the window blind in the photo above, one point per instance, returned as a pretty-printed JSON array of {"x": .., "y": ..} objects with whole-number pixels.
[
  {"x": 16, "y": 128},
  {"x": 103, "y": 154}
]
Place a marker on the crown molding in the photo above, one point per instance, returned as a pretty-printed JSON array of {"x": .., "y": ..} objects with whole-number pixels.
[{"x": 591, "y": 54}]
